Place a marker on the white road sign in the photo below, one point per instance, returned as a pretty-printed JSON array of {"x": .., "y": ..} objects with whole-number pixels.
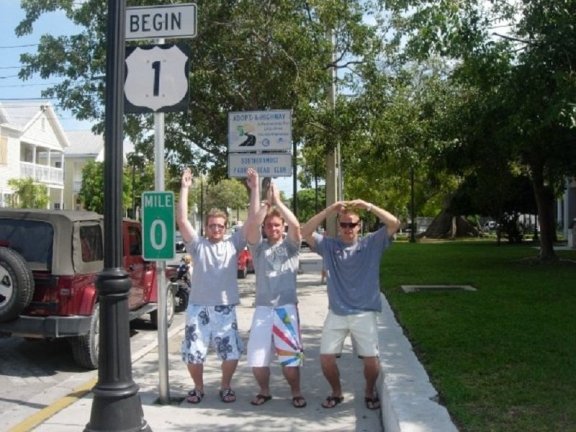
[
  {"x": 164, "y": 21},
  {"x": 260, "y": 130},
  {"x": 156, "y": 78},
  {"x": 267, "y": 164}
]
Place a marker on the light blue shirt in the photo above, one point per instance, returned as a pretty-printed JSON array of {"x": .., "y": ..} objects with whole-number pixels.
[
  {"x": 214, "y": 280},
  {"x": 276, "y": 267},
  {"x": 353, "y": 271}
]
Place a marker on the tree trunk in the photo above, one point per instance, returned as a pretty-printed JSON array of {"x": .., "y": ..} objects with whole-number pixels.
[
  {"x": 545, "y": 202},
  {"x": 446, "y": 225}
]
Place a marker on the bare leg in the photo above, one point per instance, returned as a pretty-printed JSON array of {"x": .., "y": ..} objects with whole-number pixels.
[
  {"x": 331, "y": 373},
  {"x": 197, "y": 373},
  {"x": 371, "y": 372},
  {"x": 262, "y": 375},
  {"x": 228, "y": 368},
  {"x": 292, "y": 375}
]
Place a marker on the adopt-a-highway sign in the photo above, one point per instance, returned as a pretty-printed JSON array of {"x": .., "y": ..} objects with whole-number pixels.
[{"x": 250, "y": 131}]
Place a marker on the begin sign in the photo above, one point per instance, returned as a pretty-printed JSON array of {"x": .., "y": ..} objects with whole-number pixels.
[{"x": 164, "y": 21}]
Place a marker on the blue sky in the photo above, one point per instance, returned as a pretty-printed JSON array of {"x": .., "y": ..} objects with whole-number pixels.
[{"x": 11, "y": 46}]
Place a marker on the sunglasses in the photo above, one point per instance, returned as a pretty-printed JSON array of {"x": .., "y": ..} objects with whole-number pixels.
[
  {"x": 216, "y": 226},
  {"x": 349, "y": 224}
]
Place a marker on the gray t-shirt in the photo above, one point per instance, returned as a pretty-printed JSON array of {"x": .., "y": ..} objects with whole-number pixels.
[
  {"x": 276, "y": 267},
  {"x": 353, "y": 271},
  {"x": 214, "y": 280}
]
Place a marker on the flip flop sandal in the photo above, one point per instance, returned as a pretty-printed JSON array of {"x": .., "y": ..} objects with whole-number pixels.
[
  {"x": 227, "y": 395},
  {"x": 332, "y": 401},
  {"x": 298, "y": 402},
  {"x": 260, "y": 399},
  {"x": 194, "y": 396},
  {"x": 372, "y": 403}
]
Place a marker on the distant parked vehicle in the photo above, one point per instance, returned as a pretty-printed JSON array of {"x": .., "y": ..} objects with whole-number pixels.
[
  {"x": 245, "y": 263},
  {"x": 49, "y": 263},
  {"x": 179, "y": 243}
]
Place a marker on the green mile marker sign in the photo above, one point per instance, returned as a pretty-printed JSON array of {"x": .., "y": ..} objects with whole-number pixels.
[{"x": 158, "y": 225}]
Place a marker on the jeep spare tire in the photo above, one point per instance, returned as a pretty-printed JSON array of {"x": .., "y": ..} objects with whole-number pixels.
[{"x": 16, "y": 284}]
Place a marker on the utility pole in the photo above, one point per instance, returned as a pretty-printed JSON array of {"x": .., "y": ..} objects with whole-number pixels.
[{"x": 333, "y": 194}]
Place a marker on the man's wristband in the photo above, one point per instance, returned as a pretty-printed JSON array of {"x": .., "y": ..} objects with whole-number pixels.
[{"x": 369, "y": 208}]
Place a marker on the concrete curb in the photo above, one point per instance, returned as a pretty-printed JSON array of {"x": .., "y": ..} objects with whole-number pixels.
[{"x": 409, "y": 401}]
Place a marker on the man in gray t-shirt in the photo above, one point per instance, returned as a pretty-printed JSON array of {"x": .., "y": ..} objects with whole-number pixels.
[
  {"x": 211, "y": 312},
  {"x": 353, "y": 281},
  {"x": 275, "y": 323}
]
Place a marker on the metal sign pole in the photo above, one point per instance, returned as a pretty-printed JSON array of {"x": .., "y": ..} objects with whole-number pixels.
[{"x": 164, "y": 388}]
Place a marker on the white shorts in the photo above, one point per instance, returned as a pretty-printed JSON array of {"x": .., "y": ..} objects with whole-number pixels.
[
  {"x": 278, "y": 329},
  {"x": 362, "y": 327}
]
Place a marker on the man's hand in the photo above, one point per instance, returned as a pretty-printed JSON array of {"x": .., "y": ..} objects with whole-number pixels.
[
  {"x": 186, "y": 178},
  {"x": 273, "y": 194},
  {"x": 252, "y": 178}
]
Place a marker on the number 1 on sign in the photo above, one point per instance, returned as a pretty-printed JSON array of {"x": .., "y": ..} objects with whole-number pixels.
[{"x": 156, "y": 67}]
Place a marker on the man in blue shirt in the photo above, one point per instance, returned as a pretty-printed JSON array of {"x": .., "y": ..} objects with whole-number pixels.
[{"x": 353, "y": 283}]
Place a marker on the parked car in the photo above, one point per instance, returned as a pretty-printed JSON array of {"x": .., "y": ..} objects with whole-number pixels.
[
  {"x": 49, "y": 262},
  {"x": 245, "y": 263}
]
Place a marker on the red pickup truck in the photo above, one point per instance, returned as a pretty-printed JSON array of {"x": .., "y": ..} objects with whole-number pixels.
[{"x": 49, "y": 262}]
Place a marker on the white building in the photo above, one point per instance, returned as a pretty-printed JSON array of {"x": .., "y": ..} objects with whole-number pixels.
[
  {"x": 84, "y": 147},
  {"x": 32, "y": 144}
]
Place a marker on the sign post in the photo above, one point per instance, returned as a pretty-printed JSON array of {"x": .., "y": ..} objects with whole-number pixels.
[{"x": 157, "y": 81}]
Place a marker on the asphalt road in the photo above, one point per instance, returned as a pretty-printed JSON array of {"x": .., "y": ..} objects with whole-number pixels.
[{"x": 36, "y": 373}]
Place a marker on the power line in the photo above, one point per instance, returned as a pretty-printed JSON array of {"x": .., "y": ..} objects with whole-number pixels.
[
  {"x": 28, "y": 85},
  {"x": 18, "y": 46}
]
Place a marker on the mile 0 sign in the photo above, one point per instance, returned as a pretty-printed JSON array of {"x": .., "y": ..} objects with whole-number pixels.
[
  {"x": 156, "y": 78},
  {"x": 158, "y": 225}
]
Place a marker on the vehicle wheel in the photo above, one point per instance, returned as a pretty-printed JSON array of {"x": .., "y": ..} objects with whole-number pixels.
[
  {"x": 85, "y": 348},
  {"x": 242, "y": 273},
  {"x": 170, "y": 309},
  {"x": 16, "y": 284},
  {"x": 181, "y": 297}
]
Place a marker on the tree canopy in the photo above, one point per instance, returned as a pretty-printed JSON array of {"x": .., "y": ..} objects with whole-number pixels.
[{"x": 440, "y": 94}]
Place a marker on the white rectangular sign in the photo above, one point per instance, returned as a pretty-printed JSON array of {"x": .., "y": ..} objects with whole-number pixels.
[
  {"x": 250, "y": 131},
  {"x": 267, "y": 164},
  {"x": 165, "y": 21}
]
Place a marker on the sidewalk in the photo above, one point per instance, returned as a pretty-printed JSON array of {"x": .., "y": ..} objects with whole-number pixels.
[{"x": 406, "y": 393}]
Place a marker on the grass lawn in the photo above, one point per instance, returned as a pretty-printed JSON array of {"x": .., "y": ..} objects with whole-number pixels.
[{"x": 502, "y": 358}]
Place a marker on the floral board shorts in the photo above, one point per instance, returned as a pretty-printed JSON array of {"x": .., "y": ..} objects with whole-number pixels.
[{"x": 211, "y": 325}]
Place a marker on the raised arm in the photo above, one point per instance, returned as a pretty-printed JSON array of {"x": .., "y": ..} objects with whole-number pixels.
[
  {"x": 310, "y": 226},
  {"x": 392, "y": 223},
  {"x": 186, "y": 229},
  {"x": 256, "y": 213},
  {"x": 293, "y": 225}
]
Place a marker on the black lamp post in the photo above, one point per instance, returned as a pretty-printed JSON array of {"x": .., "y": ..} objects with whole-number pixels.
[{"x": 116, "y": 405}]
